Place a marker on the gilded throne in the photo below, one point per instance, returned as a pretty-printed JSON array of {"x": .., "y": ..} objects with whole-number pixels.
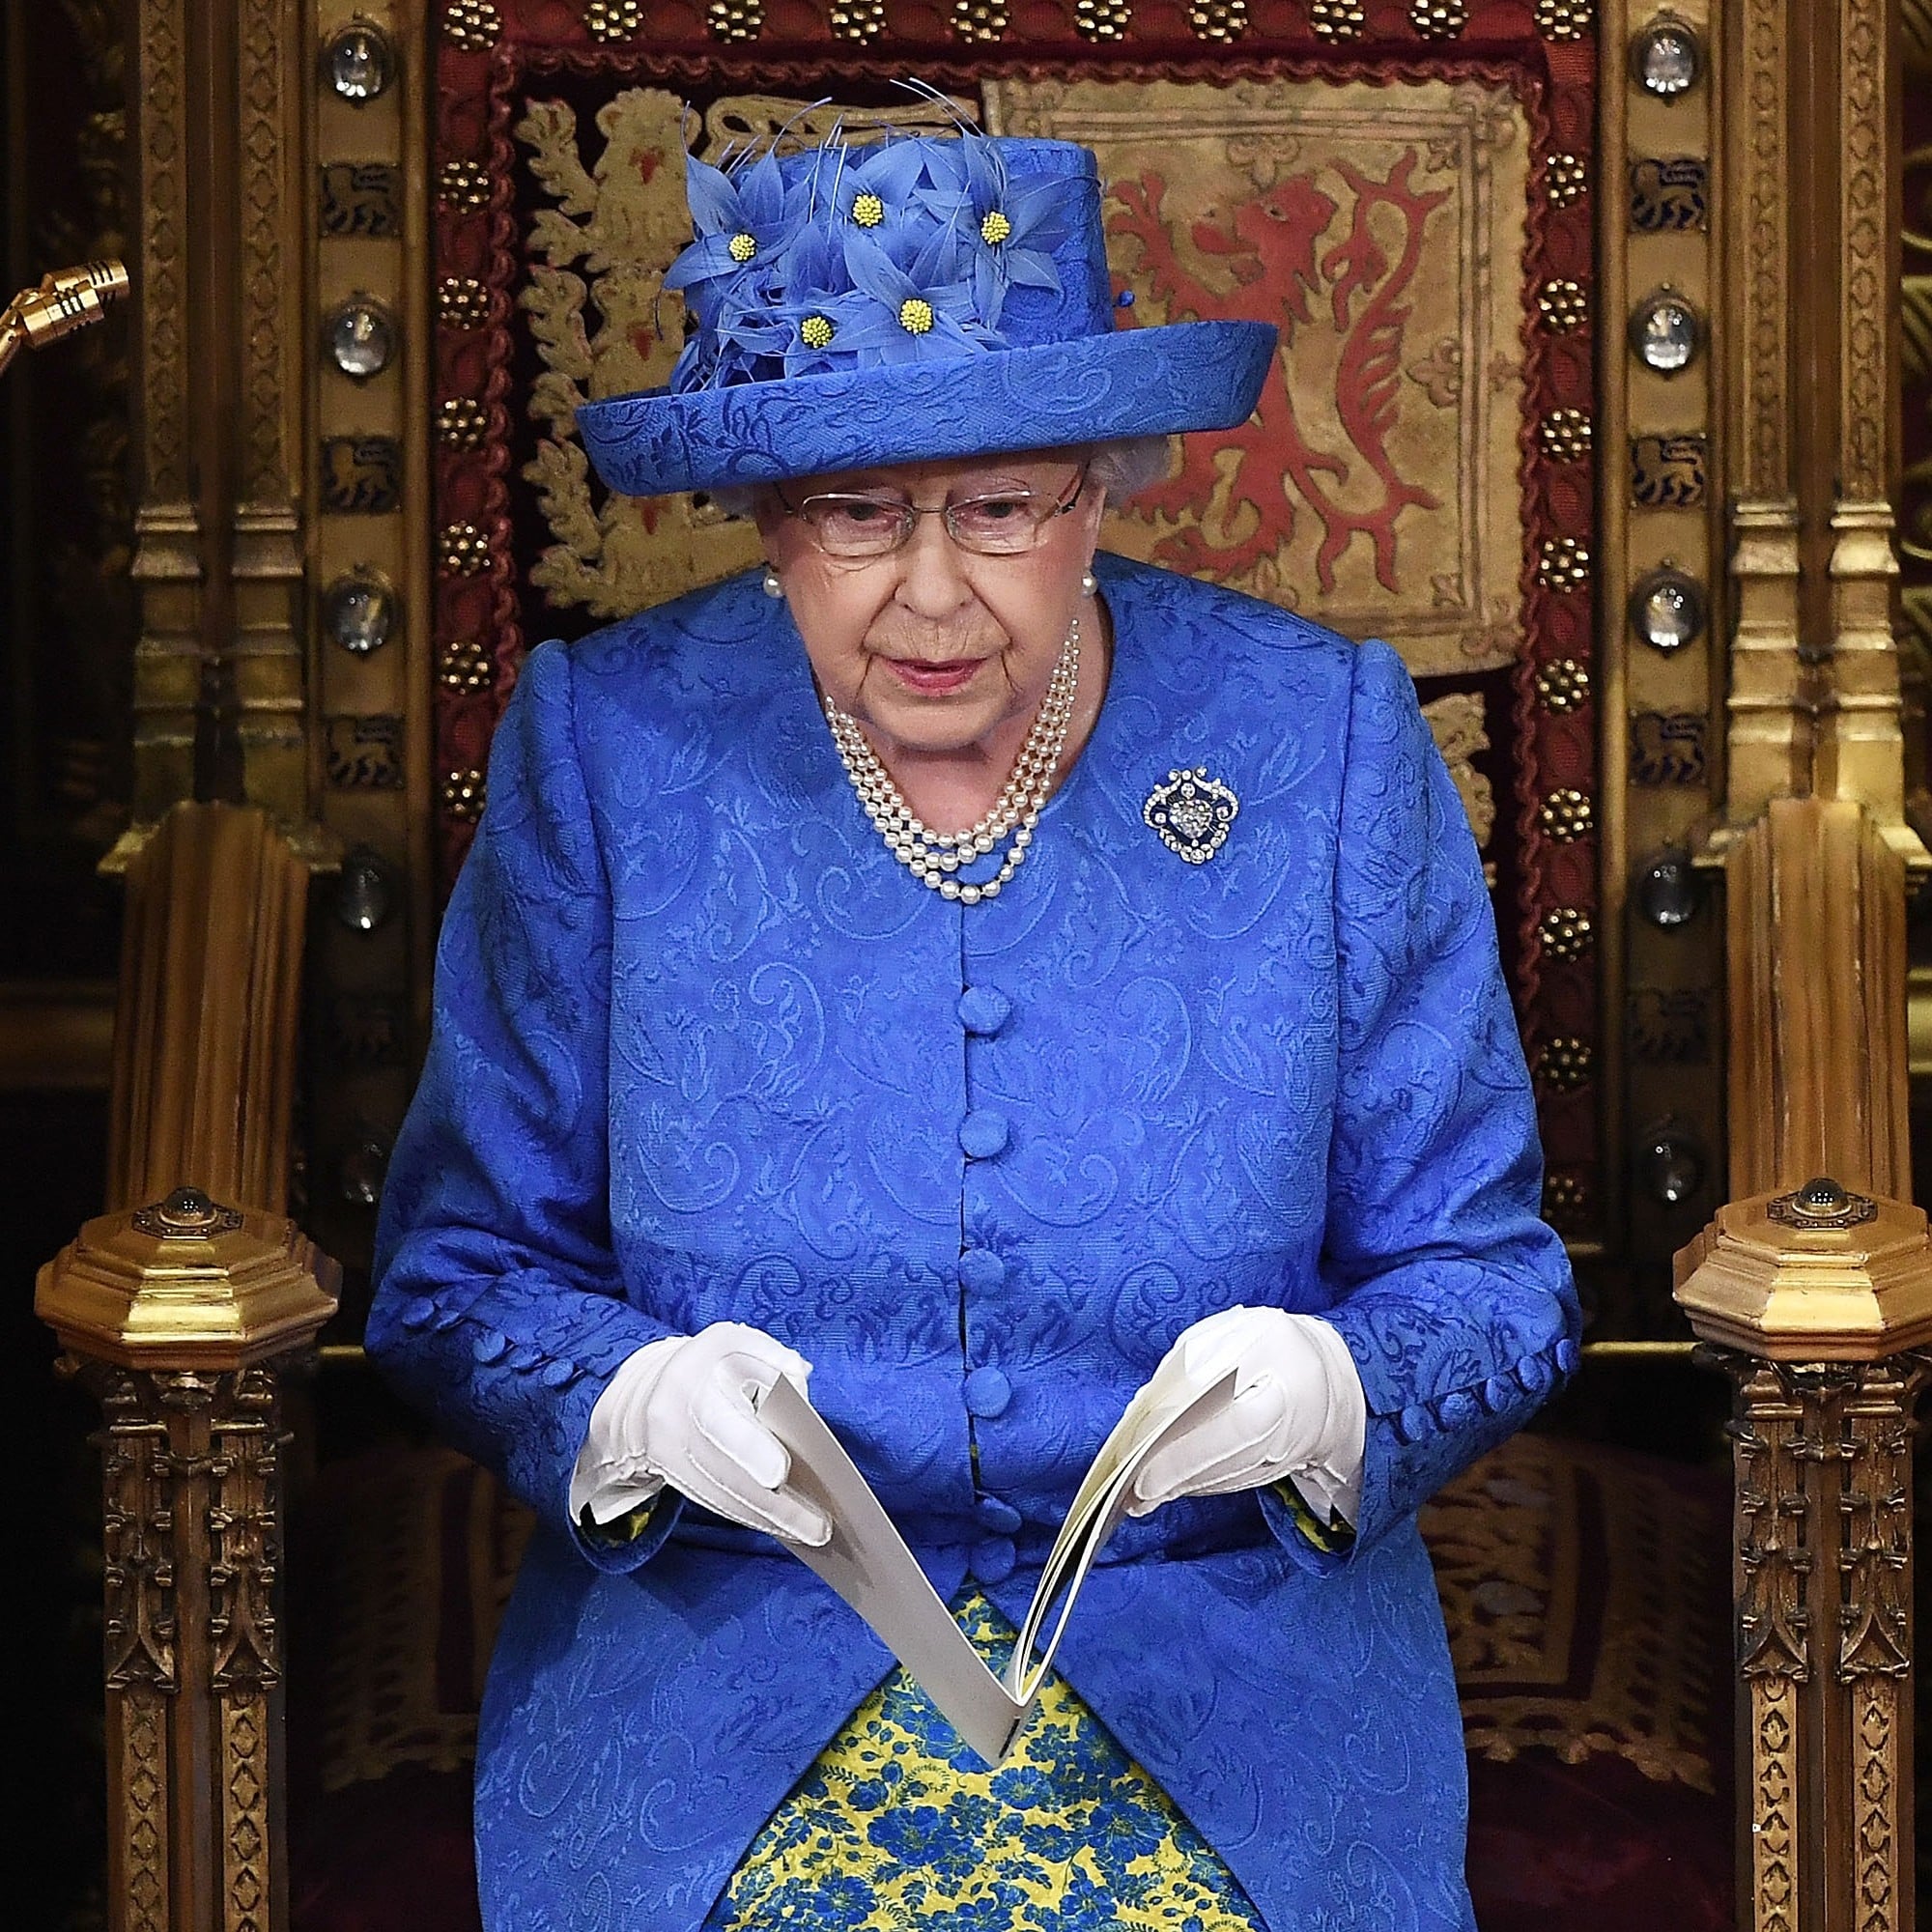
[{"x": 1547, "y": 277}]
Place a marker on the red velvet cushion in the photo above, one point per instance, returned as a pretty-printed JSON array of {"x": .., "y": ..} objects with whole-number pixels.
[{"x": 1585, "y": 1591}]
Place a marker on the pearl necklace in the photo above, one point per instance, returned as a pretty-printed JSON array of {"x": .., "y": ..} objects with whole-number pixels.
[{"x": 934, "y": 857}]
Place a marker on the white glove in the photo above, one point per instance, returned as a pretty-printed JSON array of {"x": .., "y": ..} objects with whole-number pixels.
[
  {"x": 1298, "y": 1412},
  {"x": 681, "y": 1411}
]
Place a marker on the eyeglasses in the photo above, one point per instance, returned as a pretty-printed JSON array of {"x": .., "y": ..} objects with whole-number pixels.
[{"x": 1003, "y": 524}]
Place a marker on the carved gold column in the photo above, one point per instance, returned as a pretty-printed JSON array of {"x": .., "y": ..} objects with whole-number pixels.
[
  {"x": 274, "y": 356},
  {"x": 1860, "y": 747},
  {"x": 1815, "y": 1298},
  {"x": 1810, "y": 262},
  {"x": 207, "y": 1021},
  {"x": 1814, "y": 1303},
  {"x": 223, "y": 364},
  {"x": 1768, "y": 748},
  {"x": 167, "y": 565},
  {"x": 1815, "y": 910},
  {"x": 178, "y": 1317}
]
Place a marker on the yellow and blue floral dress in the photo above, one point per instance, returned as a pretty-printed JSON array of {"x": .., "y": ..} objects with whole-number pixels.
[{"x": 899, "y": 1824}]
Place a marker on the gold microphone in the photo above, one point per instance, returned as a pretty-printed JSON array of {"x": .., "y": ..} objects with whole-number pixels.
[{"x": 68, "y": 299}]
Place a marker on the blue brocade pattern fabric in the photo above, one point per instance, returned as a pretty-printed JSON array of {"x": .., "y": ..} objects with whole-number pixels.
[
  {"x": 1136, "y": 381},
  {"x": 703, "y": 1050},
  {"x": 899, "y": 1823}
]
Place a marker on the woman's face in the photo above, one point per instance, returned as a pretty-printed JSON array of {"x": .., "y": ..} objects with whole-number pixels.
[{"x": 933, "y": 647}]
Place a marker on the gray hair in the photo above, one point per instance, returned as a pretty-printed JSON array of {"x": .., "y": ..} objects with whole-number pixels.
[
  {"x": 1123, "y": 469},
  {"x": 1131, "y": 463}
]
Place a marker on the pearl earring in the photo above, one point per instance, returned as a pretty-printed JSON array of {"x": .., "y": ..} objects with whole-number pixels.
[
  {"x": 773, "y": 588},
  {"x": 1089, "y": 584}
]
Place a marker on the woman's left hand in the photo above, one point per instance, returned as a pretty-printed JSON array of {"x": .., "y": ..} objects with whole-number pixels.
[{"x": 1298, "y": 1411}]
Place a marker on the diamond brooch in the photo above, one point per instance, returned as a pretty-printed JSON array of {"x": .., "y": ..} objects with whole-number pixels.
[{"x": 1192, "y": 813}]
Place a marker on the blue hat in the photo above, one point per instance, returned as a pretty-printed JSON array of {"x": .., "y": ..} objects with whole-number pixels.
[{"x": 919, "y": 298}]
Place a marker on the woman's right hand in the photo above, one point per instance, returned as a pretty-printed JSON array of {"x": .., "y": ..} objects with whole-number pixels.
[{"x": 684, "y": 1411}]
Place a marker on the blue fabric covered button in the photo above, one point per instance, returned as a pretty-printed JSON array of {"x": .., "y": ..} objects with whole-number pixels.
[
  {"x": 997, "y": 1514},
  {"x": 1498, "y": 1392},
  {"x": 490, "y": 1346},
  {"x": 983, "y": 1008},
  {"x": 992, "y": 1561},
  {"x": 419, "y": 1313},
  {"x": 1568, "y": 1355},
  {"x": 988, "y": 1392},
  {"x": 984, "y": 1132},
  {"x": 557, "y": 1373},
  {"x": 981, "y": 1271},
  {"x": 1458, "y": 1408}
]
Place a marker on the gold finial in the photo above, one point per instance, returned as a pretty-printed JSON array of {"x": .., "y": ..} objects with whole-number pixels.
[
  {"x": 64, "y": 300},
  {"x": 186, "y": 1283},
  {"x": 1815, "y": 1274}
]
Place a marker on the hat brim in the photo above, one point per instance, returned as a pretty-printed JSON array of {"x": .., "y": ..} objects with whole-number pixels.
[{"x": 1138, "y": 381}]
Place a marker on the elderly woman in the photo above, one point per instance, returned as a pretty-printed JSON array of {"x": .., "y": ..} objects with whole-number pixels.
[{"x": 960, "y": 968}]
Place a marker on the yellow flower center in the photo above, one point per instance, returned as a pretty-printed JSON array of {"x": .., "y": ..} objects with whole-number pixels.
[
  {"x": 816, "y": 331},
  {"x": 742, "y": 246},
  {"x": 869, "y": 210},
  {"x": 995, "y": 229},
  {"x": 915, "y": 315}
]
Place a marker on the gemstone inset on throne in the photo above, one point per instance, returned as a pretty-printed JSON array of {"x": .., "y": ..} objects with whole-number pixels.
[
  {"x": 1823, "y": 1204},
  {"x": 187, "y": 1213},
  {"x": 358, "y": 63},
  {"x": 1192, "y": 813}
]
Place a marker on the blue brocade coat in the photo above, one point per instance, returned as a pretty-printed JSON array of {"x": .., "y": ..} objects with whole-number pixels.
[{"x": 704, "y": 1050}]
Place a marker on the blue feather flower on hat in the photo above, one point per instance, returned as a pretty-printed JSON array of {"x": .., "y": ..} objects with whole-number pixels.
[
  {"x": 1016, "y": 225},
  {"x": 922, "y": 297},
  {"x": 746, "y": 223},
  {"x": 897, "y": 253},
  {"x": 887, "y": 191}
]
